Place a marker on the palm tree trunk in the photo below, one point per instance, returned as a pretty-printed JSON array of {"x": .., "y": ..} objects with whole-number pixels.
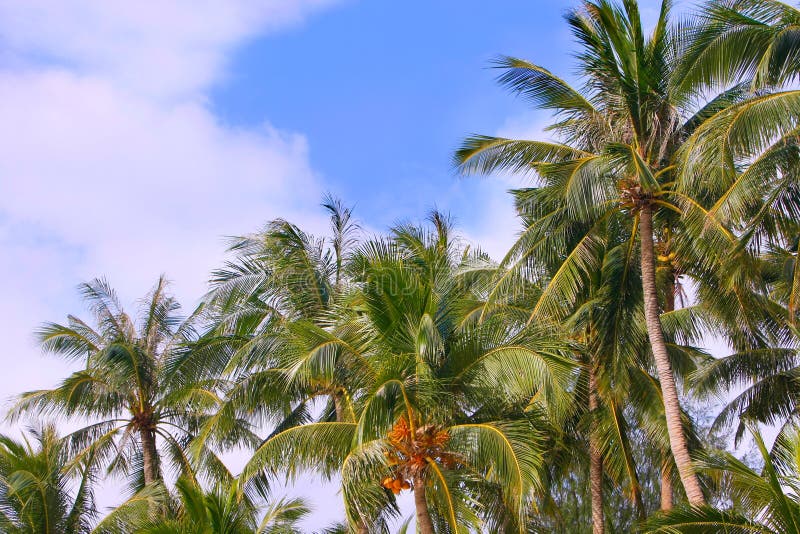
[
  {"x": 149, "y": 456},
  {"x": 669, "y": 391},
  {"x": 595, "y": 461},
  {"x": 672, "y": 290},
  {"x": 667, "y": 492},
  {"x": 338, "y": 405},
  {"x": 424, "y": 522},
  {"x": 666, "y": 489}
]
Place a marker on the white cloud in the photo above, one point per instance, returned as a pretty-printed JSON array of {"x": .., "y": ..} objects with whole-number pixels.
[
  {"x": 110, "y": 152},
  {"x": 162, "y": 48},
  {"x": 142, "y": 187}
]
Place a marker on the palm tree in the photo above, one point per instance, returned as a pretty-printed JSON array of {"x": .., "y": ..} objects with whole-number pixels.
[
  {"x": 280, "y": 276},
  {"x": 605, "y": 318},
  {"x": 448, "y": 407},
  {"x": 284, "y": 272},
  {"x": 269, "y": 308},
  {"x": 582, "y": 319},
  {"x": 225, "y": 509},
  {"x": 38, "y": 494},
  {"x": 767, "y": 500},
  {"x": 128, "y": 387},
  {"x": 765, "y": 382},
  {"x": 618, "y": 139}
]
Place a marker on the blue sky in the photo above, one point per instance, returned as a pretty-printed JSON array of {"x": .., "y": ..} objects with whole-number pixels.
[
  {"x": 136, "y": 134},
  {"x": 384, "y": 90}
]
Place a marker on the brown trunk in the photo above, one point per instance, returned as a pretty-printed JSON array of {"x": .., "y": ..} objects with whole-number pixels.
[
  {"x": 338, "y": 405},
  {"x": 595, "y": 461},
  {"x": 424, "y": 522},
  {"x": 669, "y": 301},
  {"x": 667, "y": 501},
  {"x": 669, "y": 391},
  {"x": 149, "y": 456},
  {"x": 666, "y": 489}
]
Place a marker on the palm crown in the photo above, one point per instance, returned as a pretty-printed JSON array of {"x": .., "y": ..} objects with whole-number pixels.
[
  {"x": 443, "y": 403},
  {"x": 128, "y": 388},
  {"x": 36, "y": 491}
]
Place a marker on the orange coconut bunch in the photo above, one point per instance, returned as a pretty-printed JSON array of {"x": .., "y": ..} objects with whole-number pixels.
[
  {"x": 411, "y": 450},
  {"x": 395, "y": 485},
  {"x": 400, "y": 432}
]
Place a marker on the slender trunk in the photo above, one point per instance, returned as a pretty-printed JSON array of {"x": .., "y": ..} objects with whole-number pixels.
[
  {"x": 666, "y": 489},
  {"x": 338, "y": 405},
  {"x": 669, "y": 391},
  {"x": 669, "y": 301},
  {"x": 149, "y": 456},
  {"x": 595, "y": 461},
  {"x": 424, "y": 522},
  {"x": 667, "y": 501}
]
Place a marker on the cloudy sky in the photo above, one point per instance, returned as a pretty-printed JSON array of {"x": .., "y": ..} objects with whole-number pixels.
[{"x": 135, "y": 135}]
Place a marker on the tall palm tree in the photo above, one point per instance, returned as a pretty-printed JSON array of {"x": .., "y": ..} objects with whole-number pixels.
[
  {"x": 600, "y": 352},
  {"x": 38, "y": 495},
  {"x": 605, "y": 317},
  {"x": 128, "y": 387},
  {"x": 448, "y": 407},
  {"x": 617, "y": 141},
  {"x": 767, "y": 500},
  {"x": 269, "y": 308}
]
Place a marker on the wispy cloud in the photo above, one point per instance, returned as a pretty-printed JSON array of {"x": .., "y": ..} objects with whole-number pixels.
[{"x": 164, "y": 49}]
